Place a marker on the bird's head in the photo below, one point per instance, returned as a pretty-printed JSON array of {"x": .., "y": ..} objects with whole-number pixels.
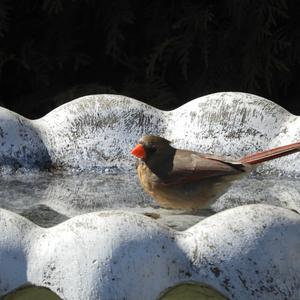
[{"x": 151, "y": 146}]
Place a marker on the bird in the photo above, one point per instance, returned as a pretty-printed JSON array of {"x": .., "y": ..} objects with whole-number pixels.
[{"x": 184, "y": 179}]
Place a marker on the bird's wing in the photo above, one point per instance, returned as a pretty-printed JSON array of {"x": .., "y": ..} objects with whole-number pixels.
[{"x": 192, "y": 166}]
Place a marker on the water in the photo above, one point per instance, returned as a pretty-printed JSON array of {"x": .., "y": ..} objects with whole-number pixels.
[
  {"x": 48, "y": 198},
  {"x": 51, "y": 198}
]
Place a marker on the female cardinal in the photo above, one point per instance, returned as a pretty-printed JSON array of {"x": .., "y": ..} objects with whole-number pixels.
[{"x": 178, "y": 178}]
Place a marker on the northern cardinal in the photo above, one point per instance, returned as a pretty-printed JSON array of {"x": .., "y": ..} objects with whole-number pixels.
[{"x": 178, "y": 178}]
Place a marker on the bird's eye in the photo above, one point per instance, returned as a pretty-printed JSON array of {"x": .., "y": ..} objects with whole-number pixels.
[{"x": 151, "y": 150}]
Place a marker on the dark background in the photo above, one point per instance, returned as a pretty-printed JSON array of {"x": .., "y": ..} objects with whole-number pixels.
[{"x": 162, "y": 52}]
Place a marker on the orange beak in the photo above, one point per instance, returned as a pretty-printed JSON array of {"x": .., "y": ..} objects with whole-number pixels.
[{"x": 138, "y": 151}]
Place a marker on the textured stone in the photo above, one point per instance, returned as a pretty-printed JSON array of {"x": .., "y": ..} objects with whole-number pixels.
[
  {"x": 98, "y": 131},
  {"x": 249, "y": 252}
]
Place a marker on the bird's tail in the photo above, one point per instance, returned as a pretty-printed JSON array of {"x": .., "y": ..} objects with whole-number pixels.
[{"x": 266, "y": 155}]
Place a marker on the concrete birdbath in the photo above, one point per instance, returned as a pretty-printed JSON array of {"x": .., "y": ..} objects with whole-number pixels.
[{"x": 73, "y": 214}]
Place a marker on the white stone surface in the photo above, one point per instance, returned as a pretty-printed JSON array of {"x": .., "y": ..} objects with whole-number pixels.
[
  {"x": 249, "y": 252},
  {"x": 20, "y": 142},
  {"x": 99, "y": 131}
]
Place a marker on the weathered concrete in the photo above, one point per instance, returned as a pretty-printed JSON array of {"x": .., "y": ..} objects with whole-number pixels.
[
  {"x": 98, "y": 131},
  {"x": 249, "y": 252}
]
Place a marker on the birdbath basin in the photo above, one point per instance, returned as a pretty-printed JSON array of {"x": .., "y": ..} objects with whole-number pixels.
[{"x": 76, "y": 223}]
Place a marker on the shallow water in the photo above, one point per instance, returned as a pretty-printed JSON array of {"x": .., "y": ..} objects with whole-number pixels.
[
  {"x": 48, "y": 199},
  {"x": 69, "y": 195}
]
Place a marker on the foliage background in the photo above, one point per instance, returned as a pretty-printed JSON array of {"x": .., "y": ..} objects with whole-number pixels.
[{"x": 162, "y": 52}]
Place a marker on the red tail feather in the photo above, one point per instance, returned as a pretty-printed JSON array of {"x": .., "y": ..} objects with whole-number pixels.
[{"x": 259, "y": 157}]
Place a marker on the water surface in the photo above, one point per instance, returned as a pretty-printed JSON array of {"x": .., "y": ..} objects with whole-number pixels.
[{"x": 49, "y": 198}]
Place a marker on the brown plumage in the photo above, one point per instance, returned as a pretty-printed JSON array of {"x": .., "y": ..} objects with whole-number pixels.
[{"x": 178, "y": 178}]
